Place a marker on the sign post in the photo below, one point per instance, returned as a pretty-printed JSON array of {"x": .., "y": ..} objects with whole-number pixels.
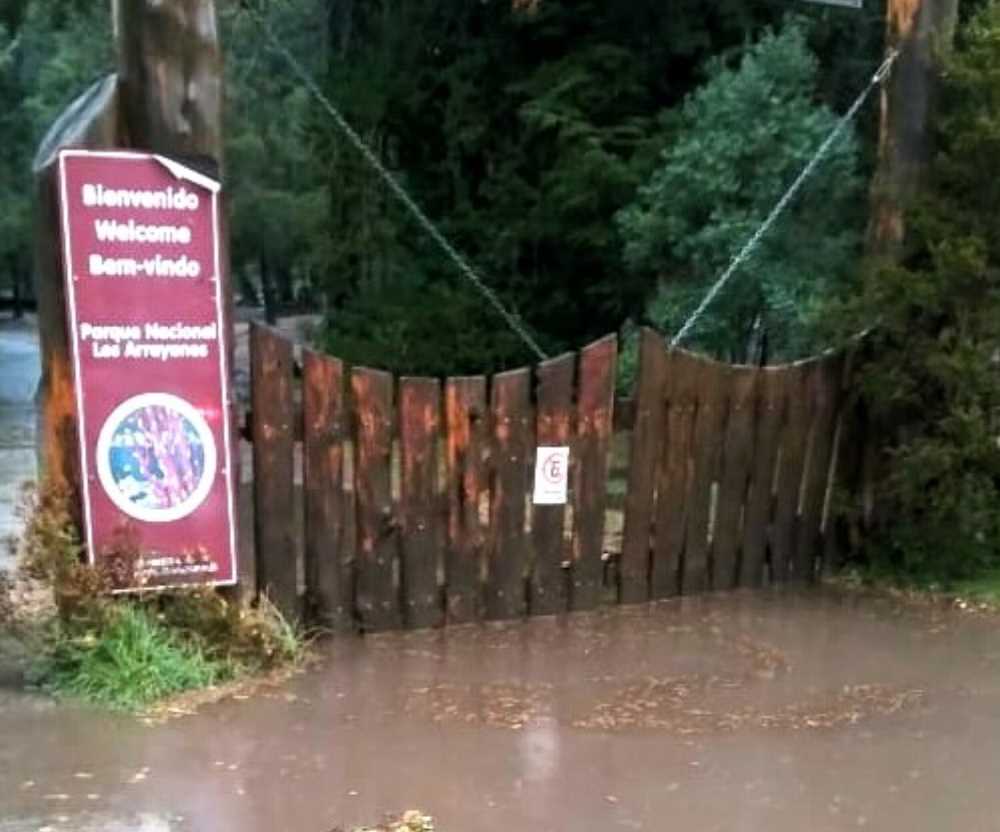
[{"x": 141, "y": 253}]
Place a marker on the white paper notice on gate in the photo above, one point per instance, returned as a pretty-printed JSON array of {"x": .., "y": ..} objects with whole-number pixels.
[{"x": 551, "y": 476}]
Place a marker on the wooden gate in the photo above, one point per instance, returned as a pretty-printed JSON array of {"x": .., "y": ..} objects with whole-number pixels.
[{"x": 385, "y": 503}]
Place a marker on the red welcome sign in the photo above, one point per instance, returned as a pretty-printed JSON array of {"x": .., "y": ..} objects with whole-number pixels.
[{"x": 144, "y": 298}]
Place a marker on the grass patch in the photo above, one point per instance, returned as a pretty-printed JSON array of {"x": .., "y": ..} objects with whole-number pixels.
[
  {"x": 984, "y": 588},
  {"x": 129, "y": 654},
  {"x": 979, "y": 593},
  {"x": 130, "y": 660},
  {"x": 126, "y": 652}
]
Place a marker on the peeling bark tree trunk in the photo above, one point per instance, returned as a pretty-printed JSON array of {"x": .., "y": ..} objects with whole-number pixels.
[
  {"x": 917, "y": 28},
  {"x": 170, "y": 73},
  {"x": 166, "y": 97}
]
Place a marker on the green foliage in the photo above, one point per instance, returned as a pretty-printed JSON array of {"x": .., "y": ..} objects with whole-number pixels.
[
  {"x": 14, "y": 219},
  {"x": 130, "y": 653},
  {"x": 277, "y": 189},
  {"x": 521, "y": 154},
  {"x": 983, "y": 589},
  {"x": 932, "y": 382},
  {"x": 246, "y": 639},
  {"x": 420, "y": 327},
  {"x": 736, "y": 145},
  {"x": 127, "y": 661},
  {"x": 50, "y": 51},
  {"x": 50, "y": 550},
  {"x": 127, "y": 652},
  {"x": 628, "y": 359},
  {"x": 522, "y": 128},
  {"x": 523, "y": 131}
]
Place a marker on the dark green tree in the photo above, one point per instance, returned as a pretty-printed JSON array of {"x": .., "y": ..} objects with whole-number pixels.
[
  {"x": 522, "y": 129},
  {"x": 275, "y": 176},
  {"x": 931, "y": 384},
  {"x": 50, "y": 51},
  {"x": 733, "y": 149}
]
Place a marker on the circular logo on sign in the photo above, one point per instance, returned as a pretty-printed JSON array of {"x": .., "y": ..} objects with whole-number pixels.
[{"x": 156, "y": 457}]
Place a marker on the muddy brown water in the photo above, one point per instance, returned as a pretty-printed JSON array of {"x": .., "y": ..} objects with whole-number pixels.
[{"x": 771, "y": 711}]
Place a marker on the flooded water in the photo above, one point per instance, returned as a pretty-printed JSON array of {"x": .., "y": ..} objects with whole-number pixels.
[{"x": 776, "y": 711}]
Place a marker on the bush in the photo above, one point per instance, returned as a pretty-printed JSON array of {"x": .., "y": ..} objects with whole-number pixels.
[
  {"x": 246, "y": 638},
  {"x": 49, "y": 550},
  {"x": 129, "y": 651}
]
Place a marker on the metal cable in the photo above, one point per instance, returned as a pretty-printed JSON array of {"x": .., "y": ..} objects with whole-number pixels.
[
  {"x": 747, "y": 251},
  {"x": 512, "y": 320}
]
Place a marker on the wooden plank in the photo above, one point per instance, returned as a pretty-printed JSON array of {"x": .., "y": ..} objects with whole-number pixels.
[
  {"x": 737, "y": 458},
  {"x": 825, "y": 384},
  {"x": 549, "y": 579},
  {"x": 794, "y": 440},
  {"x": 710, "y": 418},
  {"x": 506, "y": 595},
  {"x": 422, "y": 518},
  {"x": 377, "y": 596},
  {"x": 466, "y": 419},
  {"x": 674, "y": 472},
  {"x": 770, "y": 402},
  {"x": 647, "y": 447},
  {"x": 328, "y": 587},
  {"x": 595, "y": 412},
  {"x": 274, "y": 469}
]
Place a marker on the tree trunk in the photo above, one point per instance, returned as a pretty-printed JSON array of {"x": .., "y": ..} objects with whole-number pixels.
[
  {"x": 918, "y": 29},
  {"x": 170, "y": 71}
]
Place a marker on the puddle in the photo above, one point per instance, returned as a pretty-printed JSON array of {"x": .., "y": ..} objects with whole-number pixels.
[{"x": 775, "y": 711}]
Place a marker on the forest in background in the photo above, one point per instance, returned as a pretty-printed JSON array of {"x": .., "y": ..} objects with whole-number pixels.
[{"x": 599, "y": 162}]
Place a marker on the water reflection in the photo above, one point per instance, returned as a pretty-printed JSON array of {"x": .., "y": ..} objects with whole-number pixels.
[{"x": 538, "y": 746}]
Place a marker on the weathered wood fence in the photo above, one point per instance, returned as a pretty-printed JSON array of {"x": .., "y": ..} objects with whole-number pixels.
[{"x": 386, "y": 503}]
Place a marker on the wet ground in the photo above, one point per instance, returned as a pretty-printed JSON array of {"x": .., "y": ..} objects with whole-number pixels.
[
  {"x": 777, "y": 711},
  {"x": 19, "y": 372}
]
